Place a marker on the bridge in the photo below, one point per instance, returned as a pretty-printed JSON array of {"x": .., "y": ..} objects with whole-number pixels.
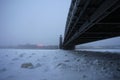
[{"x": 91, "y": 20}]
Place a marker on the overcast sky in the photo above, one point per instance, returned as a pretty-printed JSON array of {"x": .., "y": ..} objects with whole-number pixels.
[{"x": 34, "y": 22}]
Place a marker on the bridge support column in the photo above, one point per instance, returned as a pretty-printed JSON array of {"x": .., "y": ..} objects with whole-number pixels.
[{"x": 60, "y": 42}]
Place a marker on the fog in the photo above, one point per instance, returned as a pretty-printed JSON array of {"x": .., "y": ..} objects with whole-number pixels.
[
  {"x": 32, "y": 21},
  {"x": 115, "y": 41},
  {"x": 36, "y": 22}
]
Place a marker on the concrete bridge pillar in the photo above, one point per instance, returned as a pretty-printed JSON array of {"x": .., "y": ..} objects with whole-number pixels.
[{"x": 60, "y": 42}]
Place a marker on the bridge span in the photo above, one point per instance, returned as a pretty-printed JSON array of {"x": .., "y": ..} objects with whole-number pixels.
[{"x": 91, "y": 20}]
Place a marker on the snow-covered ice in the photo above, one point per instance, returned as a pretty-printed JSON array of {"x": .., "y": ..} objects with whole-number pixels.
[{"x": 16, "y": 64}]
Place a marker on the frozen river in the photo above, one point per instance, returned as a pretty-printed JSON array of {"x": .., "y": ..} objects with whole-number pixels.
[{"x": 16, "y": 64}]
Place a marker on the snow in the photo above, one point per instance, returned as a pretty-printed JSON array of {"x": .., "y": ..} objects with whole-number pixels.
[
  {"x": 16, "y": 64},
  {"x": 101, "y": 50}
]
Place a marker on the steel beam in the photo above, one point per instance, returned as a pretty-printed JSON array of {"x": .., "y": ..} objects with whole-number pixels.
[
  {"x": 83, "y": 10},
  {"x": 104, "y": 10},
  {"x": 72, "y": 12}
]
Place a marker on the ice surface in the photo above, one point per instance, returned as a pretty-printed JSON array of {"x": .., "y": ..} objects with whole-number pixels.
[{"x": 58, "y": 65}]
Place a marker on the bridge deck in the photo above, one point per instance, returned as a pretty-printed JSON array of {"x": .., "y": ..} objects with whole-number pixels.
[{"x": 91, "y": 20}]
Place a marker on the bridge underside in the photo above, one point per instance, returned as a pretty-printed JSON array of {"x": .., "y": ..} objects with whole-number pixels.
[{"x": 91, "y": 20}]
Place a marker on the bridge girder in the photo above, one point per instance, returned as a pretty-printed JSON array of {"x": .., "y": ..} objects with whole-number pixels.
[{"x": 91, "y": 20}]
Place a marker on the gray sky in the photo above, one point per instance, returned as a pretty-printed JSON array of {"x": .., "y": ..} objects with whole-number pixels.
[
  {"x": 35, "y": 22},
  {"x": 32, "y": 21}
]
